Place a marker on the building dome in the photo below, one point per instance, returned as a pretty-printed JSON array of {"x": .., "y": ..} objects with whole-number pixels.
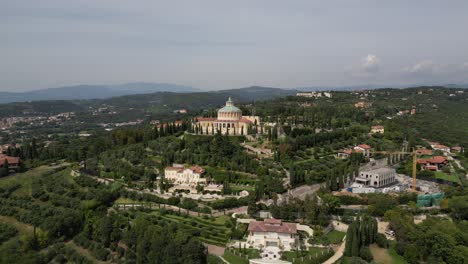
[{"x": 229, "y": 112}]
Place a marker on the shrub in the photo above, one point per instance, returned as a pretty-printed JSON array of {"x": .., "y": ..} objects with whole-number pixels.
[
  {"x": 381, "y": 241},
  {"x": 366, "y": 254}
]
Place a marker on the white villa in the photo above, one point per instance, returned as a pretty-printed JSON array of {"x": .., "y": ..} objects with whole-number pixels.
[
  {"x": 191, "y": 176},
  {"x": 377, "y": 178},
  {"x": 272, "y": 233},
  {"x": 364, "y": 149},
  {"x": 377, "y": 129},
  {"x": 229, "y": 122}
]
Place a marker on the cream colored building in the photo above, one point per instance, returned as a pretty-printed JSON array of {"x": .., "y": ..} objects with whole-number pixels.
[
  {"x": 272, "y": 233},
  {"x": 178, "y": 174},
  {"x": 377, "y": 130},
  {"x": 377, "y": 178},
  {"x": 229, "y": 122}
]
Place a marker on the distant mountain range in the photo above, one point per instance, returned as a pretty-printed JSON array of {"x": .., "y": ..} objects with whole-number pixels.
[
  {"x": 93, "y": 92},
  {"x": 80, "y": 92},
  {"x": 154, "y": 103}
]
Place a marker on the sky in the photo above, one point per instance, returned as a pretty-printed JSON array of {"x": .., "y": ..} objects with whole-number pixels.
[{"x": 219, "y": 44}]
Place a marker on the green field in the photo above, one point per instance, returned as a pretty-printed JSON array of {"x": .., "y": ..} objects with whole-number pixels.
[
  {"x": 447, "y": 177},
  {"x": 25, "y": 179},
  {"x": 333, "y": 237}
]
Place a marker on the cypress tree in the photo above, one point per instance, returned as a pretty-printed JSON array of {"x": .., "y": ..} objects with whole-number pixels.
[{"x": 349, "y": 241}]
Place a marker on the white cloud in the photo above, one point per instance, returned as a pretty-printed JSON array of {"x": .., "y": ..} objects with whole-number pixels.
[
  {"x": 422, "y": 67},
  {"x": 371, "y": 63},
  {"x": 464, "y": 66}
]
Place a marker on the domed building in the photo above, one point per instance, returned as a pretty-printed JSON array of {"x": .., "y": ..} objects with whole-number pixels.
[{"x": 229, "y": 122}]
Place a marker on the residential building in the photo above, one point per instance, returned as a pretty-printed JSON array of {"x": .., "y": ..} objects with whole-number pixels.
[
  {"x": 229, "y": 122},
  {"x": 377, "y": 130},
  {"x": 424, "y": 152},
  {"x": 13, "y": 162},
  {"x": 377, "y": 177},
  {"x": 441, "y": 147},
  {"x": 434, "y": 163},
  {"x": 344, "y": 154},
  {"x": 272, "y": 233},
  {"x": 457, "y": 149},
  {"x": 364, "y": 149},
  {"x": 179, "y": 174}
]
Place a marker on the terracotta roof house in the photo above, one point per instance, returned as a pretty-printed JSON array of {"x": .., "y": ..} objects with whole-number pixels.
[
  {"x": 13, "y": 162},
  {"x": 364, "y": 149},
  {"x": 433, "y": 163},
  {"x": 457, "y": 149},
  {"x": 345, "y": 153},
  {"x": 272, "y": 233},
  {"x": 441, "y": 147},
  {"x": 424, "y": 151}
]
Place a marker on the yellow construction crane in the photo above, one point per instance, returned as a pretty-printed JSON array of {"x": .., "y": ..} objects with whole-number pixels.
[{"x": 415, "y": 162}]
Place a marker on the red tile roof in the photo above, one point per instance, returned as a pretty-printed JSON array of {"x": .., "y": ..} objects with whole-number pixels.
[
  {"x": 457, "y": 148},
  {"x": 347, "y": 151},
  {"x": 194, "y": 168},
  {"x": 11, "y": 160},
  {"x": 424, "y": 151},
  {"x": 272, "y": 225},
  {"x": 433, "y": 160},
  {"x": 364, "y": 146}
]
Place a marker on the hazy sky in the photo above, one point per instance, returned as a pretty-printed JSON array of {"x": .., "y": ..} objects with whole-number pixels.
[{"x": 219, "y": 44}]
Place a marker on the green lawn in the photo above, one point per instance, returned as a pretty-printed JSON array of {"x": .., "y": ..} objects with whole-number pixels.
[
  {"x": 234, "y": 259},
  {"x": 447, "y": 177},
  {"x": 249, "y": 252},
  {"x": 333, "y": 237}
]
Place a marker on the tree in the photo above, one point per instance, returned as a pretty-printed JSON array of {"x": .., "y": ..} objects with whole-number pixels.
[
  {"x": 5, "y": 169},
  {"x": 459, "y": 207},
  {"x": 380, "y": 203}
]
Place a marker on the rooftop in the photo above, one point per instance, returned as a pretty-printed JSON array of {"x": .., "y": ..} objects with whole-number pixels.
[
  {"x": 364, "y": 146},
  {"x": 180, "y": 168},
  {"x": 380, "y": 170},
  {"x": 434, "y": 160},
  {"x": 273, "y": 225},
  {"x": 11, "y": 160}
]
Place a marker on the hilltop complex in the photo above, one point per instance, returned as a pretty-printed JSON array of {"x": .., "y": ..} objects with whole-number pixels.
[{"x": 229, "y": 122}]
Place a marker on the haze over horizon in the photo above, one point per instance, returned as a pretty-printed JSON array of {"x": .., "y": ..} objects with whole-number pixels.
[{"x": 220, "y": 45}]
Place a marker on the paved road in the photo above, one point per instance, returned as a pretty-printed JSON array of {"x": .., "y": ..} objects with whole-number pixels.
[{"x": 338, "y": 254}]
